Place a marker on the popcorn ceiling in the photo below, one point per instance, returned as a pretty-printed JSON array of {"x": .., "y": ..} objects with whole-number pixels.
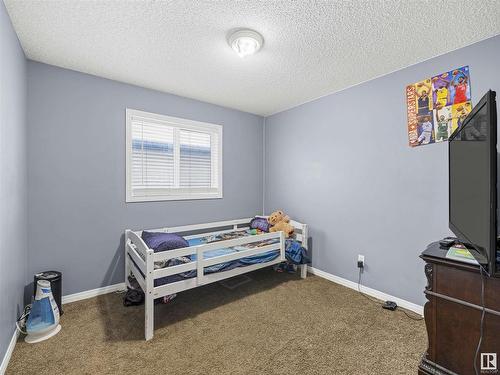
[{"x": 311, "y": 48}]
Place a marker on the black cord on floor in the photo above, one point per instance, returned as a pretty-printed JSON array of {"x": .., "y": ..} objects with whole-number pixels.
[
  {"x": 378, "y": 302},
  {"x": 412, "y": 317},
  {"x": 481, "y": 329}
]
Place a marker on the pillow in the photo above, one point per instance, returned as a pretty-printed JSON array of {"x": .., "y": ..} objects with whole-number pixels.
[
  {"x": 260, "y": 223},
  {"x": 163, "y": 241}
]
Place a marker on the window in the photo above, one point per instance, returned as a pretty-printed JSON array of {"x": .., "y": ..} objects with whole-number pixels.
[{"x": 170, "y": 158}]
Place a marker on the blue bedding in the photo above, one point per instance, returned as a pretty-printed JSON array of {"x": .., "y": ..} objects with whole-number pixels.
[
  {"x": 294, "y": 252},
  {"x": 259, "y": 258},
  {"x": 225, "y": 266}
]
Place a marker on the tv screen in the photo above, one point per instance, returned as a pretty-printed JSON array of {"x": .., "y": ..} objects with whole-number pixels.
[{"x": 472, "y": 181}]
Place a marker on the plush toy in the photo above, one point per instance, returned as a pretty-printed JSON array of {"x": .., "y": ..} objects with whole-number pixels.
[{"x": 280, "y": 222}]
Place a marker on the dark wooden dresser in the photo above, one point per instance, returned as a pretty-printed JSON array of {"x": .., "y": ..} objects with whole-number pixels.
[{"x": 453, "y": 315}]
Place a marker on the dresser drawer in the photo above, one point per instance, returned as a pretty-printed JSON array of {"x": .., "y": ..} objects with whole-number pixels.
[{"x": 465, "y": 285}]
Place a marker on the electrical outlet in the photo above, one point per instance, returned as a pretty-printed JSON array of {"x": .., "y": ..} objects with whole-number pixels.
[{"x": 361, "y": 261}]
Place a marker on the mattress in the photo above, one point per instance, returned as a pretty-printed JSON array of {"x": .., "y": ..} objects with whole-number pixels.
[{"x": 225, "y": 266}]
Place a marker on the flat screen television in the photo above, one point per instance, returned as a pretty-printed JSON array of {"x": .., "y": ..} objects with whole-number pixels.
[{"x": 473, "y": 182}]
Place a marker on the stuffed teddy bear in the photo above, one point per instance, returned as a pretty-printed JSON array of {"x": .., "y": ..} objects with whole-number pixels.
[{"x": 280, "y": 222}]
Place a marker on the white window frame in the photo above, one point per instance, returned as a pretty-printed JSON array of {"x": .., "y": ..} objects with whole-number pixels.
[{"x": 178, "y": 123}]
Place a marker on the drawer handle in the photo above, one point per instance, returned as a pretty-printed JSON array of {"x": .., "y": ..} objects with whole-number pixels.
[{"x": 461, "y": 302}]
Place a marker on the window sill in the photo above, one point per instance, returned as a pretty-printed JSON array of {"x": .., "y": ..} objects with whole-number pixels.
[{"x": 160, "y": 198}]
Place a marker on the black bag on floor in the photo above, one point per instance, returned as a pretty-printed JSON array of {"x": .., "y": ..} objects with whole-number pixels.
[{"x": 133, "y": 297}]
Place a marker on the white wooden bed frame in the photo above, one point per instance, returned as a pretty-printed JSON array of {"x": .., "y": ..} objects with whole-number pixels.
[{"x": 144, "y": 259}]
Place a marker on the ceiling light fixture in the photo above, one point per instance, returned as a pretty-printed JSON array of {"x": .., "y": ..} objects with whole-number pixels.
[{"x": 246, "y": 42}]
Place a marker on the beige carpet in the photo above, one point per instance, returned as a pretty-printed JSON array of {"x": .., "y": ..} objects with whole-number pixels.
[{"x": 276, "y": 324}]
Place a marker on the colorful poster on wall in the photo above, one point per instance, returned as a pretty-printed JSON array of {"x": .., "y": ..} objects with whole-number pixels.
[{"x": 437, "y": 106}]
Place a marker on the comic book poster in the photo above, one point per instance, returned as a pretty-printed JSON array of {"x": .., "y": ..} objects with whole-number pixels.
[{"x": 437, "y": 106}]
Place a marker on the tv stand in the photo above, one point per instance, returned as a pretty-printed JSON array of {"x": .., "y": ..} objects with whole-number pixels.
[{"x": 453, "y": 314}]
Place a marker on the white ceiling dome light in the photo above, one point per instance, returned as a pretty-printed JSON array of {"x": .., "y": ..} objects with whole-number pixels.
[{"x": 246, "y": 42}]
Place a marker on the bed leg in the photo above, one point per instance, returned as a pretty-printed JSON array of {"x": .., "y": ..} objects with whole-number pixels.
[
  {"x": 127, "y": 260},
  {"x": 303, "y": 271},
  {"x": 149, "y": 307},
  {"x": 127, "y": 270}
]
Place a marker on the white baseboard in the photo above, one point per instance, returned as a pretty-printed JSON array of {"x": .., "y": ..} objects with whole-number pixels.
[
  {"x": 65, "y": 299},
  {"x": 371, "y": 292},
  {"x": 8, "y": 353},
  {"x": 93, "y": 293}
]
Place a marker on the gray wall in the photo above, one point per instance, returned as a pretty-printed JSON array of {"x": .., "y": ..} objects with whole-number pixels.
[
  {"x": 13, "y": 176},
  {"x": 76, "y": 172},
  {"x": 359, "y": 186},
  {"x": 356, "y": 181}
]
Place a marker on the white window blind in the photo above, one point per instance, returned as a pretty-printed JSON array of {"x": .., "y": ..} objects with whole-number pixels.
[{"x": 172, "y": 159}]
